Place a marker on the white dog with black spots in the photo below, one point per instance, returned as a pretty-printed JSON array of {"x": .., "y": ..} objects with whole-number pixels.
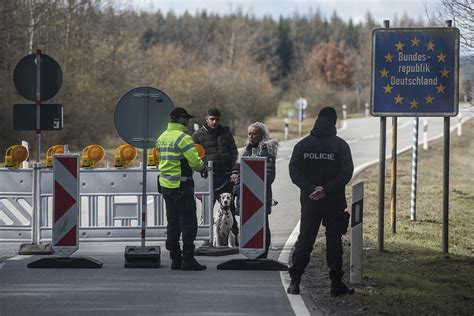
[{"x": 223, "y": 222}]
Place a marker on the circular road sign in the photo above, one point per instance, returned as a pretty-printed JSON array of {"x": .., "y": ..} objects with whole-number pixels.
[
  {"x": 25, "y": 77},
  {"x": 141, "y": 115},
  {"x": 301, "y": 104}
]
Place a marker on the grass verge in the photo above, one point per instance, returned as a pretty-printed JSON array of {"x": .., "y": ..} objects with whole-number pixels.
[{"x": 412, "y": 276}]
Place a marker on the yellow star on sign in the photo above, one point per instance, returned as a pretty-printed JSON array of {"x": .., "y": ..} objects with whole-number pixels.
[
  {"x": 429, "y": 99},
  {"x": 413, "y": 104},
  {"x": 398, "y": 99},
  {"x": 440, "y": 88},
  {"x": 387, "y": 89},
  {"x": 415, "y": 41},
  {"x": 441, "y": 57},
  {"x": 444, "y": 72},
  {"x": 399, "y": 46},
  {"x": 384, "y": 73},
  {"x": 430, "y": 45},
  {"x": 388, "y": 57}
]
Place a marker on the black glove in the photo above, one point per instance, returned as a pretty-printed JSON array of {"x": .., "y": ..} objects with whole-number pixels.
[{"x": 204, "y": 172}]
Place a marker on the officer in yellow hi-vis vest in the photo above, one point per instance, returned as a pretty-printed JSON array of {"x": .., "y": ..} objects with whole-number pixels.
[{"x": 178, "y": 160}]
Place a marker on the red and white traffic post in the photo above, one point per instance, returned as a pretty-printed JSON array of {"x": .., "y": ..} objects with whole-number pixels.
[
  {"x": 66, "y": 201},
  {"x": 253, "y": 197},
  {"x": 66, "y": 208},
  {"x": 253, "y": 204}
]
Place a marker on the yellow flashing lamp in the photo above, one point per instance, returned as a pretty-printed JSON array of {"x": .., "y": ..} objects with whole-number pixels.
[
  {"x": 15, "y": 155},
  {"x": 153, "y": 159},
  {"x": 200, "y": 150},
  {"x": 92, "y": 155},
  {"x": 53, "y": 150},
  {"x": 125, "y": 155}
]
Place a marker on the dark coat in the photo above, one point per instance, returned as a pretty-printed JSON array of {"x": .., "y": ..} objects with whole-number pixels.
[
  {"x": 322, "y": 159},
  {"x": 220, "y": 148}
]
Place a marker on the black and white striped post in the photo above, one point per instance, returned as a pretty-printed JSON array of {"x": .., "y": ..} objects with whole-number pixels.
[
  {"x": 356, "y": 233},
  {"x": 414, "y": 168}
]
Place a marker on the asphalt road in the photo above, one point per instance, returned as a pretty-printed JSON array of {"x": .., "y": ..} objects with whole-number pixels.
[{"x": 114, "y": 290}]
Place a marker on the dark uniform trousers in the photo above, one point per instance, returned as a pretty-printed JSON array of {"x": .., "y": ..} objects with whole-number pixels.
[
  {"x": 311, "y": 217},
  {"x": 181, "y": 217}
]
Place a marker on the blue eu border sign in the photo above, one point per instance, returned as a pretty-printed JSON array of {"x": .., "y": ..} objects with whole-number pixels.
[{"x": 415, "y": 72}]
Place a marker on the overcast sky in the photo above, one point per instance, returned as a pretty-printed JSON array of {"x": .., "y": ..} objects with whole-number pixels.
[{"x": 356, "y": 9}]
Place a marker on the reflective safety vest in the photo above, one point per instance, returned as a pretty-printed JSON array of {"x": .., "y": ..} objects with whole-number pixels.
[{"x": 178, "y": 156}]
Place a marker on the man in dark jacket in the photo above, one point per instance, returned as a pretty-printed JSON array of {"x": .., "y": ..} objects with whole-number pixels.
[
  {"x": 221, "y": 149},
  {"x": 321, "y": 166}
]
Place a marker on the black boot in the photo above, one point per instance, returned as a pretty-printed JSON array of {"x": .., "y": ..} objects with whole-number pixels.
[
  {"x": 294, "y": 287},
  {"x": 176, "y": 259},
  {"x": 192, "y": 265},
  {"x": 338, "y": 288},
  {"x": 176, "y": 263}
]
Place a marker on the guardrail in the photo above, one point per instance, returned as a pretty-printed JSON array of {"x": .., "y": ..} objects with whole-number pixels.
[{"x": 110, "y": 205}]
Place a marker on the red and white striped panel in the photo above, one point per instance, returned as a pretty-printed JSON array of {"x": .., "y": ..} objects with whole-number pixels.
[
  {"x": 65, "y": 204},
  {"x": 253, "y": 205}
]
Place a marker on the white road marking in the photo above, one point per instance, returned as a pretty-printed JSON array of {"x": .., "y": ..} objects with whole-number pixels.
[
  {"x": 19, "y": 257},
  {"x": 296, "y": 302}
]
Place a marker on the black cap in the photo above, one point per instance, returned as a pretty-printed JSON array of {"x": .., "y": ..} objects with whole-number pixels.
[
  {"x": 329, "y": 113},
  {"x": 180, "y": 112}
]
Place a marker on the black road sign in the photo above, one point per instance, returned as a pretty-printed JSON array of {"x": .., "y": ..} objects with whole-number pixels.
[
  {"x": 141, "y": 115},
  {"x": 25, "y": 77},
  {"x": 24, "y": 117}
]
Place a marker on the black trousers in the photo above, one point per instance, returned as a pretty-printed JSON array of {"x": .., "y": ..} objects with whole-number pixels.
[
  {"x": 311, "y": 217},
  {"x": 182, "y": 220},
  {"x": 228, "y": 189},
  {"x": 268, "y": 238}
]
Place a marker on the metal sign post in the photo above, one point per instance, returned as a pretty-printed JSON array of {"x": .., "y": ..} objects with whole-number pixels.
[
  {"x": 141, "y": 116},
  {"x": 37, "y": 77},
  {"x": 415, "y": 72},
  {"x": 301, "y": 105}
]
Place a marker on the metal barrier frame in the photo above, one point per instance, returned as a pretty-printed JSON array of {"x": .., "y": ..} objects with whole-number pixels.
[{"x": 108, "y": 196}]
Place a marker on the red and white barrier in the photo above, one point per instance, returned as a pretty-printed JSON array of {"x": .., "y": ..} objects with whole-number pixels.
[
  {"x": 253, "y": 206},
  {"x": 65, "y": 204}
]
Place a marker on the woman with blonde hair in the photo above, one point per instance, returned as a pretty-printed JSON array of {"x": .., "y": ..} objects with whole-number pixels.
[{"x": 265, "y": 146}]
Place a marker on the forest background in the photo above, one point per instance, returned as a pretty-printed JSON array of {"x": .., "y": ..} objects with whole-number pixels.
[{"x": 251, "y": 68}]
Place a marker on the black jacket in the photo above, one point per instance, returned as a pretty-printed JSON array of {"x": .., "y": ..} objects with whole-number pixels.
[
  {"x": 322, "y": 159},
  {"x": 220, "y": 148}
]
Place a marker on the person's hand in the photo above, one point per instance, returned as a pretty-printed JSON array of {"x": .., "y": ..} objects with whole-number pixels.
[
  {"x": 234, "y": 177},
  {"x": 204, "y": 172},
  {"x": 317, "y": 194}
]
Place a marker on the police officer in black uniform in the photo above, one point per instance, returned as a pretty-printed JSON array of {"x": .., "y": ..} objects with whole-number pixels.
[{"x": 321, "y": 166}]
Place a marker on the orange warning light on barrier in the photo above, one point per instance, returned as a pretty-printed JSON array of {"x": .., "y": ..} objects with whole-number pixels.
[
  {"x": 200, "y": 150},
  {"x": 53, "y": 150},
  {"x": 92, "y": 155},
  {"x": 15, "y": 155},
  {"x": 125, "y": 155},
  {"x": 153, "y": 159}
]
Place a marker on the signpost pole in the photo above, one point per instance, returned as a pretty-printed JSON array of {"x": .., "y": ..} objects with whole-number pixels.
[
  {"x": 144, "y": 198},
  {"x": 446, "y": 141},
  {"x": 383, "y": 128},
  {"x": 393, "y": 181},
  {"x": 380, "y": 231},
  {"x": 38, "y": 105}
]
